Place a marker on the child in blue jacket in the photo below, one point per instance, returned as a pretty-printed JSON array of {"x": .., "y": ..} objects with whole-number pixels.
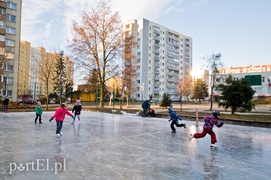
[{"x": 175, "y": 120}]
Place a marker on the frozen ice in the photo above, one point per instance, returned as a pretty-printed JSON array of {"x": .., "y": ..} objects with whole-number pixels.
[{"x": 115, "y": 146}]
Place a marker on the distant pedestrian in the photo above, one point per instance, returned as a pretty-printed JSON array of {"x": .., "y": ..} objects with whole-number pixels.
[
  {"x": 77, "y": 111},
  {"x": 60, "y": 116},
  {"x": 209, "y": 122},
  {"x": 38, "y": 109},
  {"x": 5, "y": 104},
  {"x": 146, "y": 105},
  {"x": 174, "y": 118}
]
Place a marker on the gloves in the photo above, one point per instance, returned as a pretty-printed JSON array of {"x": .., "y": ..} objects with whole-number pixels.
[
  {"x": 51, "y": 119},
  {"x": 221, "y": 124},
  {"x": 73, "y": 117},
  {"x": 169, "y": 120}
]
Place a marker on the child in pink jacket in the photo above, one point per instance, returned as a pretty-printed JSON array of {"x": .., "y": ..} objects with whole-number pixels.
[{"x": 60, "y": 116}]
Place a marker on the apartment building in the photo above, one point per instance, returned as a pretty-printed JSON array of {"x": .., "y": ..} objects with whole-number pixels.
[
  {"x": 160, "y": 57},
  {"x": 259, "y": 77},
  {"x": 24, "y": 69},
  {"x": 10, "y": 28},
  {"x": 35, "y": 65}
]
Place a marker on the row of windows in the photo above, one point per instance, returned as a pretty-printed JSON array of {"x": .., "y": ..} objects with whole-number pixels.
[
  {"x": 8, "y": 42},
  {"x": 9, "y": 17},
  {"x": 9, "y": 30},
  {"x": 10, "y": 5}
]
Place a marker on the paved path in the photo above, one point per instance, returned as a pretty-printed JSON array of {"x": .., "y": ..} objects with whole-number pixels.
[{"x": 113, "y": 146}]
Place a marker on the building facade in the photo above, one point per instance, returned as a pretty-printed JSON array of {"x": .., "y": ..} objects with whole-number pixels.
[
  {"x": 160, "y": 57},
  {"x": 259, "y": 77},
  {"x": 10, "y": 29},
  {"x": 35, "y": 66}
]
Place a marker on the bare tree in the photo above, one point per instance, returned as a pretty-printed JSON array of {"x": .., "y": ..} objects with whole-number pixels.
[
  {"x": 97, "y": 44},
  {"x": 46, "y": 69},
  {"x": 213, "y": 64}
]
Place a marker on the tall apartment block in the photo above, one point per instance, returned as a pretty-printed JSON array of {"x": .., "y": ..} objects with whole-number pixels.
[
  {"x": 161, "y": 57},
  {"x": 10, "y": 28}
]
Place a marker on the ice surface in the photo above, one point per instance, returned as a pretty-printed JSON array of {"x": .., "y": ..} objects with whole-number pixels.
[{"x": 113, "y": 146}]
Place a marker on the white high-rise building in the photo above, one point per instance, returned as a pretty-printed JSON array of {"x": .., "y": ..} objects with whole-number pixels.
[{"x": 161, "y": 57}]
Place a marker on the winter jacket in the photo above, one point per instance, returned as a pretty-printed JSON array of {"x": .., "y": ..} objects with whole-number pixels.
[
  {"x": 77, "y": 109},
  {"x": 146, "y": 104},
  {"x": 60, "y": 114},
  {"x": 210, "y": 121},
  {"x": 5, "y": 102},
  {"x": 38, "y": 109},
  {"x": 173, "y": 115}
]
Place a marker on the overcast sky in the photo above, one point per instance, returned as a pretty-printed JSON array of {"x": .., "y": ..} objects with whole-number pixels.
[{"x": 238, "y": 29}]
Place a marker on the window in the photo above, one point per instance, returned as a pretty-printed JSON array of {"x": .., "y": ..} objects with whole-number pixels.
[
  {"x": 2, "y": 38},
  {"x": 10, "y": 30},
  {"x": 8, "y": 67},
  {"x": 10, "y": 42},
  {"x": 9, "y": 80},
  {"x": 11, "y": 18},
  {"x": 11, "y": 5},
  {"x": 4, "y": 0},
  {"x": 2, "y": 11},
  {"x": 2, "y": 24}
]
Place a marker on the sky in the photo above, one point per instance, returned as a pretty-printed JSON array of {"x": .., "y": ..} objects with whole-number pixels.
[{"x": 238, "y": 29}]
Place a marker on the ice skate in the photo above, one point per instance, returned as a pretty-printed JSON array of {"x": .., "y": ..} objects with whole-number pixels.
[
  {"x": 213, "y": 145},
  {"x": 173, "y": 131},
  {"x": 191, "y": 137},
  {"x": 58, "y": 135},
  {"x": 184, "y": 125}
]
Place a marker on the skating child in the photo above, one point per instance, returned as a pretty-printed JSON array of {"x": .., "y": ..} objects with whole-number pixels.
[
  {"x": 60, "y": 116},
  {"x": 77, "y": 111},
  {"x": 209, "y": 122},
  {"x": 38, "y": 109},
  {"x": 175, "y": 120}
]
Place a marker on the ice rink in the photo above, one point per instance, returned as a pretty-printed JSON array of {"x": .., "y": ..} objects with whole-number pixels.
[{"x": 113, "y": 146}]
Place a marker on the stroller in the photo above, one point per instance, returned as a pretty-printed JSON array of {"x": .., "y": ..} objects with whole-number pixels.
[{"x": 149, "y": 113}]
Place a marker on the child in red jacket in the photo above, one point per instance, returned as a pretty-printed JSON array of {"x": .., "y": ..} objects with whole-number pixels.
[{"x": 60, "y": 116}]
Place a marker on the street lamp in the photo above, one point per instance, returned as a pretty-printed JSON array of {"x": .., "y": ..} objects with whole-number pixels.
[
  {"x": 97, "y": 85},
  {"x": 142, "y": 89}
]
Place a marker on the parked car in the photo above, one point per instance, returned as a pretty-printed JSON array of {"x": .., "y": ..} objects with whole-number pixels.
[{"x": 52, "y": 102}]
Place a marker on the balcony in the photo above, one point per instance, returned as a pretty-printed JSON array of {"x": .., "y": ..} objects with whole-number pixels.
[
  {"x": 156, "y": 85},
  {"x": 157, "y": 38},
  {"x": 156, "y": 92},
  {"x": 156, "y": 58},
  {"x": 157, "y": 31},
  {"x": 157, "y": 45},
  {"x": 171, "y": 87}
]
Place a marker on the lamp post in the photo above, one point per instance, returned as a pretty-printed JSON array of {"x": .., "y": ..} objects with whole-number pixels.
[
  {"x": 97, "y": 85},
  {"x": 114, "y": 95},
  {"x": 142, "y": 89}
]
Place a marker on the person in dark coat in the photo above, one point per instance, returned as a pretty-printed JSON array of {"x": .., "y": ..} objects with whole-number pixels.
[
  {"x": 146, "y": 105},
  {"x": 77, "y": 111},
  {"x": 5, "y": 104}
]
